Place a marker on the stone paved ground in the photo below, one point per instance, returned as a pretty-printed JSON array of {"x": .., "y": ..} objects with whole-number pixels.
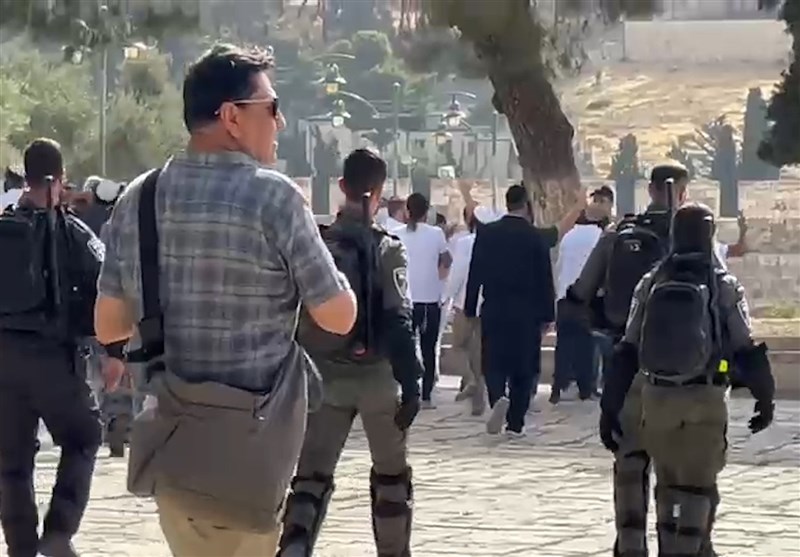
[{"x": 546, "y": 496}]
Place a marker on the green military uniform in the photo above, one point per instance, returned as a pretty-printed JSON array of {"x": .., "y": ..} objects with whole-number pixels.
[
  {"x": 684, "y": 425},
  {"x": 369, "y": 390},
  {"x": 631, "y": 461}
]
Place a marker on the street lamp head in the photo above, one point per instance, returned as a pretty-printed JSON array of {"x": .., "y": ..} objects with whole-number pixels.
[
  {"x": 333, "y": 80},
  {"x": 454, "y": 115},
  {"x": 339, "y": 114},
  {"x": 442, "y": 136}
]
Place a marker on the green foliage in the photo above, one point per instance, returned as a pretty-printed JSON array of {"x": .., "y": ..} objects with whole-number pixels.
[
  {"x": 371, "y": 49},
  {"x": 755, "y": 128},
  {"x": 58, "y": 103},
  {"x": 782, "y": 145},
  {"x": 679, "y": 154},
  {"x": 147, "y": 76},
  {"x": 625, "y": 163},
  {"x": 41, "y": 97},
  {"x": 141, "y": 133}
]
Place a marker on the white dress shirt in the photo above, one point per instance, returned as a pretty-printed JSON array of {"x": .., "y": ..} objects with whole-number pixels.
[
  {"x": 574, "y": 250},
  {"x": 456, "y": 289}
]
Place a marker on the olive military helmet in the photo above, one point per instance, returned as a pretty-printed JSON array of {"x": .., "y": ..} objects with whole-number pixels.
[
  {"x": 693, "y": 228},
  {"x": 106, "y": 192}
]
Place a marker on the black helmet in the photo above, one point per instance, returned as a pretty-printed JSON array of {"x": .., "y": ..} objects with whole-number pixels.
[{"x": 693, "y": 228}]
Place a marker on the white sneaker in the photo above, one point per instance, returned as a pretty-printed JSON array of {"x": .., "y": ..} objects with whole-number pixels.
[
  {"x": 497, "y": 417},
  {"x": 427, "y": 405},
  {"x": 516, "y": 434}
]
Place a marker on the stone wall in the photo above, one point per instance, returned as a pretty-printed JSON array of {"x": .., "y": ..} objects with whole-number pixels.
[
  {"x": 771, "y": 273},
  {"x": 700, "y": 42}
]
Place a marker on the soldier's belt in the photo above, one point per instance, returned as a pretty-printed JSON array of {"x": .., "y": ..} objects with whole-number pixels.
[{"x": 717, "y": 379}]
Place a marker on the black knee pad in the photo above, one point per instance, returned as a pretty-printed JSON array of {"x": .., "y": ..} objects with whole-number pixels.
[
  {"x": 392, "y": 495},
  {"x": 392, "y": 512},
  {"x": 305, "y": 512}
]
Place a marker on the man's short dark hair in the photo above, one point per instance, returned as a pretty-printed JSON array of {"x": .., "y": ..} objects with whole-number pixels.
[
  {"x": 394, "y": 205},
  {"x": 663, "y": 172},
  {"x": 223, "y": 73},
  {"x": 604, "y": 192},
  {"x": 364, "y": 172},
  {"x": 516, "y": 198},
  {"x": 42, "y": 158}
]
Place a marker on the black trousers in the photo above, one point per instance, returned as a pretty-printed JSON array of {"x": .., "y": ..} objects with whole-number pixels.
[
  {"x": 427, "y": 319},
  {"x": 513, "y": 352},
  {"x": 575, "y": 356},
  {"x": 39, "y": 379}
]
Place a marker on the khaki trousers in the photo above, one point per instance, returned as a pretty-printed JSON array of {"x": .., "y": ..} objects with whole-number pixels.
[
  {"x": 467, "y": 346},
  {"x": 188, "y": 537}
]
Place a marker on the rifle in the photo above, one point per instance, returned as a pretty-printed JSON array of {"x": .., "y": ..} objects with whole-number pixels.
[{"x": 55, "y": 275}]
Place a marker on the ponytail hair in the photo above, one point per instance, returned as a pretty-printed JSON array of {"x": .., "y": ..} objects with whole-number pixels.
[{"x": 417, "y": 205}]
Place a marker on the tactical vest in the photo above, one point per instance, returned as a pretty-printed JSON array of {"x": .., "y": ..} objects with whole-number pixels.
[{"x": 26, "y": 292}]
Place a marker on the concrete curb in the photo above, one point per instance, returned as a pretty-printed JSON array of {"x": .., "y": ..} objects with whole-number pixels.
[{"x": 784, "y": 356}]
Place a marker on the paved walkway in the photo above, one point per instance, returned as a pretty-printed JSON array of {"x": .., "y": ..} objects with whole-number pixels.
[{"x": 546, "y": 496}]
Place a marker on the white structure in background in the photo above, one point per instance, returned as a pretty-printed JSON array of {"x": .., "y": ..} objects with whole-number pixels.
[{"x": 474, "y": 156}]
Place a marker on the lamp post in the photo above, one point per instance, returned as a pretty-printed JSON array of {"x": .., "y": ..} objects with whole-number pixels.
[
  {"x": 104, "y": 29},
  {"x": 397, "y": 89},
  {"x": 442, "y": 135},
  {"x": 84, "y": 40}
]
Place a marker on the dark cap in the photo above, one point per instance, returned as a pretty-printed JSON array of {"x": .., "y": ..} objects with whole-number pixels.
[
  {"x": 693, "y": 229},
  {"x": 604, "y": 191},
  {"x": 663, "y": 172}
]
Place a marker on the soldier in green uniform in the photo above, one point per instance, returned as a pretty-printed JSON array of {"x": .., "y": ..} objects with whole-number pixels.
[
  {"x": 688, "y": 323},
  {"x": 624, "y": 253},
  {"x": 361, "y": 374}
]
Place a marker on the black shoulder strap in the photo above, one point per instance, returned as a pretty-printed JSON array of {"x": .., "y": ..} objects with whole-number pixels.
[{"x": 148, "y": 246}]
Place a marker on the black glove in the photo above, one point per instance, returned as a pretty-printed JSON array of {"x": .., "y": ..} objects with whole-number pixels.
[
  {"x": 406, "y": 412},
  {"x": 609, "y": 425},
  {"x": 764, "y": 414}
]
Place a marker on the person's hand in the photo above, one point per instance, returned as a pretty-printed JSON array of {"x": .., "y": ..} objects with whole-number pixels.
[
  {"x": 406, "y": 412},
  {"x": 582, "y": 200},
  {"x": 741, "y": 222},
  {"x": 609, "y": 428},
  {"x": 764, "y": 414},
  {"x": 113, "y": 371}
]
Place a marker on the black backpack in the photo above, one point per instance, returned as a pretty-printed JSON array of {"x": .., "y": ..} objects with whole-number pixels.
[
  {"x": 25, "y": 282},
  {"x": 680, "y": 336},
  {"x": 356, "y": 252},
  {"x": 640, "y": 243}
]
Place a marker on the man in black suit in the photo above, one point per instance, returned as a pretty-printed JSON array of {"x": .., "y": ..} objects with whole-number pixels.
[{"x": 511, "y": 269}]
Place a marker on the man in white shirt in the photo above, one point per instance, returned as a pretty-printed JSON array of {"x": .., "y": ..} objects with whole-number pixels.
[
  {"x": 466, "y": 330},
  {"x": 427, "y": 253},
  {"x": 397, "y": 214},
  {"x": 575, "y": 349}
]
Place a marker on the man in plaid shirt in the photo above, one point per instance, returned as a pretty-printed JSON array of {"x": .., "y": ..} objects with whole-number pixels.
[{"x": 239, "y": 251}]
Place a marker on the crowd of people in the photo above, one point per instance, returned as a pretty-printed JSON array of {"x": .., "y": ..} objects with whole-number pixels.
[{"x": 259, "y": 336}]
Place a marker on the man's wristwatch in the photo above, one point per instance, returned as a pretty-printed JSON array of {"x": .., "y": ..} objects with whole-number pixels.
[{"x": 116, "y": 349}]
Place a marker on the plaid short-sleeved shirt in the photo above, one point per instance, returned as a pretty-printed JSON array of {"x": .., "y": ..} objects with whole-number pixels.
[{"x": 238, "y": 251}]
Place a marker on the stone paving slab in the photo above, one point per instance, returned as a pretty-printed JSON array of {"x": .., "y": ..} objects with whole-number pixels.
[{"x": 548, "y": 495}]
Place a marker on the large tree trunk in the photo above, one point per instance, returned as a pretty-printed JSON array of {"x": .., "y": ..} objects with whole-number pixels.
[
  {"x": 508, "y": 38},
  {"x": 543, "y": 137}
]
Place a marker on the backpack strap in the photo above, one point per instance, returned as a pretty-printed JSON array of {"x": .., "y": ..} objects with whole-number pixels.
[
  {"x": 151, "y": 327},
  {"x": 148, "y": 246}
]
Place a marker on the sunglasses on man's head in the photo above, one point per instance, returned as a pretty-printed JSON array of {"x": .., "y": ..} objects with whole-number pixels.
[{"x": 273, "y": 104}]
